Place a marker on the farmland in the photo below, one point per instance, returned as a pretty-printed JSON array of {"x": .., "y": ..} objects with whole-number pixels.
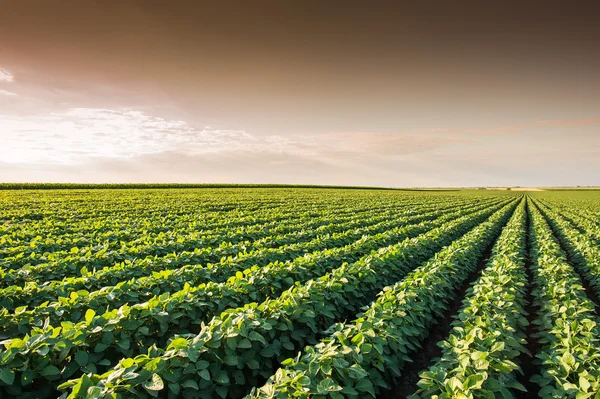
[{"x": 277, "y": 292}]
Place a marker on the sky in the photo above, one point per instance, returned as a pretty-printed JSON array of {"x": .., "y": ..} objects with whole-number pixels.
[{"x": 395, "y": 94}]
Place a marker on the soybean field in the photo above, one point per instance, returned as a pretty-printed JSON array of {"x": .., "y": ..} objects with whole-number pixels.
[{"x": 290, "y": 292}]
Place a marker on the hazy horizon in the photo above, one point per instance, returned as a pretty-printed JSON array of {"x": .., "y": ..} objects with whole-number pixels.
[{"x": 413, "y": 94}]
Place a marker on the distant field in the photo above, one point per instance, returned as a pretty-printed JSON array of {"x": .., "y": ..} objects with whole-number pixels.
[
  {"x": 516, "y": 188},
  {"x": 277, "y": 292}
]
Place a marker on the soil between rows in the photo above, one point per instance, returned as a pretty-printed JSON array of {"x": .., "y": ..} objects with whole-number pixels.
[{"x": 525, "y": 360}]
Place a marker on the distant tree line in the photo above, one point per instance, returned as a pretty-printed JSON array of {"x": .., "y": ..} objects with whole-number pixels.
[{"x": 54, "y": 186}]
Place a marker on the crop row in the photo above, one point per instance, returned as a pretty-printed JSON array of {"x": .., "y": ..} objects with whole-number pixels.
[
  {"x": 140, "y": 289},
  {"x": 360, "y": 359},
  {"x": 480, "y": 354},
  {"x": 72, "y": 307},
  {"x": 107, "y": 337},
  {"x": 92, "y": 221},
  {"x": 208, "y": 248},
  {"x": 54, "y": 215},
  {"x": 580, "y": 221},
  {"x": 589, "y": 211},
  {"x": 162, "y": 238},
  {"x": 206, "y": 253},
  {"x": 583, "y": 252},
  {"x": 569, "y": 356},
  {"x": 240, "y": 348},
  {"x": 568, "y": 361}
]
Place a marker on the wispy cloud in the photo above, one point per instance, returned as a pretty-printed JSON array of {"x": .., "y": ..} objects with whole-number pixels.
[
  {"x": 6, "y": 76},
  {"x": 78, "y": 134},
  {"x": 7, "y": 93},
  {"x": 81, "y": 133},
  {"x": 98, "y": 144}
]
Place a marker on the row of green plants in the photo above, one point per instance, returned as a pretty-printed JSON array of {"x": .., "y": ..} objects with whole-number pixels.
[
  {"x": 171, "y": 252},
  {"x": 152, "y": 240},
  {"x": 62, "y": 232},
  {"x": 584, "y": 253},
  {"x": 33, "y": 294},
  {"x": 117, "y": 226},
  {"x": 72, "y": 307},
  {"x": 569, "y": 359},
  {"x": 581, "y": 221},
  {"x": 241, "y": 347},
  {"x": 23, "y": 216},
  {"x": 108, "y": 337},
  {"x": 86, "y": 224},
  {"x": 480, "y": 356},
  {"x": 131, "y": 289},
  {"x": 568, "y": 331},
  {"x": 363, "y": 358},
  {"x": 584, "y": 212}
]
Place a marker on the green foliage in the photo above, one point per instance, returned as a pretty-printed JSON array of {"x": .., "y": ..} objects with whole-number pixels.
[
  {"x": 479, "y": 357},
  {"x": 345, "y": 246},
  {"x": 247, "y": 344},
  {"x": 82, "y": 265},
  {"x": 208, "y": 293},
  {"x": 365, "y": 356},
  {"x": 133, "y": 329},
  {"x": 569, "y": 358}
]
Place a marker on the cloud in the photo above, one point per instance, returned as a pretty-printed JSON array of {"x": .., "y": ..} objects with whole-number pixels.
[
  {"x": 6, "y": 76},
  {"x": 128, "y": 145},
  {"x": 97, "y": 144},
  {"x": 7, "y": 93},
  {"x": 80, "y": 133}
]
